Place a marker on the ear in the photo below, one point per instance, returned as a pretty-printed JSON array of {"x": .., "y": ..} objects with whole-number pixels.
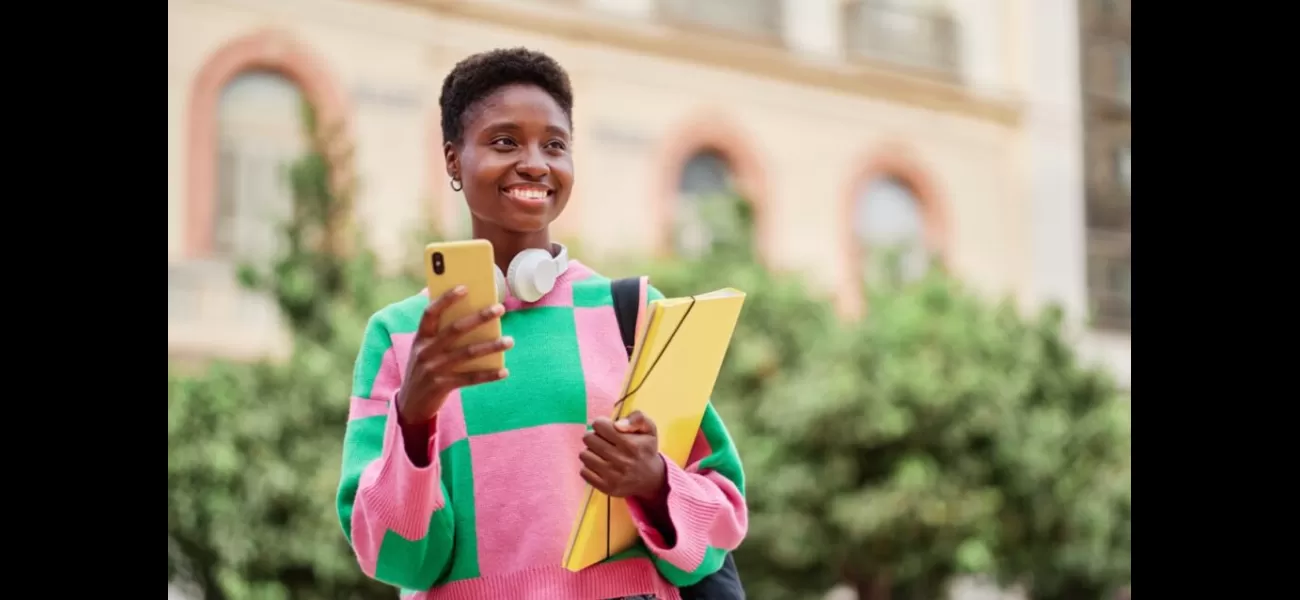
[{"x": 452, "y": 158}]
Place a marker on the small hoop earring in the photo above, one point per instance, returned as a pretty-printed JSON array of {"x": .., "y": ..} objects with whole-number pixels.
[{"x": 456, "y": 185}]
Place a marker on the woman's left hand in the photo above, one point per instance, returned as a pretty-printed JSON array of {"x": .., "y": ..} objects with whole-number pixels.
[{"x": 622, "y": 459}]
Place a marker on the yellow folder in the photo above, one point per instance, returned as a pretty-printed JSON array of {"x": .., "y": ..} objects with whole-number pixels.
[{"x": 675, "y": 363}]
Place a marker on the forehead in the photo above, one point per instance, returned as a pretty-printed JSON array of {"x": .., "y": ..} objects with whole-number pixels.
[{"x": 519, "y": 104}]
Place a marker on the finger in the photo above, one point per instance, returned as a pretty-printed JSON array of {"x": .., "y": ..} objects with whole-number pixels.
[
  {"x": 597, "y": 444},
  {"x": 605, "y": 429},
  {"x": 637, "y": 422},
  {"x": 595, "y": 463},
  {"x": 433, "y": 312},
  {"x": 595, "y": 480},
  {"x": 603, "y": 426},
  {"x": 463, "y": 325},
  {"x": 460, "y": 380},
  {"x": 472, "y": 351}
]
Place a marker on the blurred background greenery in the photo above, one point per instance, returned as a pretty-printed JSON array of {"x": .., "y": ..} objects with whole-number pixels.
[{"x": 943, "y": 434}]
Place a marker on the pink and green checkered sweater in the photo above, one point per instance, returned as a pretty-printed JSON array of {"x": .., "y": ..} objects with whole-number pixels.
[{"x": 490, "y": 516}]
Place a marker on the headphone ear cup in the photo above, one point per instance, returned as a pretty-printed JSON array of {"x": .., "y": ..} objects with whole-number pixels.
[
  {"x": 531, "y": 274},
  {"x": 501, "y": 283}
]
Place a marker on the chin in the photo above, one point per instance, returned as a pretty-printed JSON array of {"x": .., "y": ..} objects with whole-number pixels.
[
  {"x": 528, "y": 221},
  {"x": 527, "y": 225}
]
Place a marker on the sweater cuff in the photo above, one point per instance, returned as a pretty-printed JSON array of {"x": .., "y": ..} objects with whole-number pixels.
[
  {"x": 692, "y": 511},
  {"x": 403, "y": 496}
]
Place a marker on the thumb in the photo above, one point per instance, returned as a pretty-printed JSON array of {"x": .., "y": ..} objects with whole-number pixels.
[{"x": 636, "y": 422}]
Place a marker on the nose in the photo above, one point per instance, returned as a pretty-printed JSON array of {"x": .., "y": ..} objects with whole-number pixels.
[{"x": 532, "y": 164}]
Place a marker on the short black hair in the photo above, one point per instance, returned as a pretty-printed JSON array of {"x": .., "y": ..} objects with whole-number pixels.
[{"x": 479, "y": 75}]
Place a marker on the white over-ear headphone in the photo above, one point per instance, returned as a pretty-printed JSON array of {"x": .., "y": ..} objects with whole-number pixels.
[{"x": 532, "y": 273}]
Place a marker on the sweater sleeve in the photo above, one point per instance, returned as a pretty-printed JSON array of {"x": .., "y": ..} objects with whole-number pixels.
[
  {"x": 393, "y": 513},
  {"x": 706, "y": 506}
]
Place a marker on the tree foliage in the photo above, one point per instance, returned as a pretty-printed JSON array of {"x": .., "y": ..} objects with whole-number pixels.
[
  {"x": 253, "y": 450},
  {"x": 942, "y": 434}
]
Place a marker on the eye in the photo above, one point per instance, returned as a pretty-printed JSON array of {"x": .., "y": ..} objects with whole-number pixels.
[
  {"x": 504, "y": 142},
  {"x": 557, "y": 145}
]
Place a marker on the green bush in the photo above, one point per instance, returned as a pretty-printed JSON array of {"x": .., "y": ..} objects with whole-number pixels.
[
  {"x": 942, "y": 434},
  {"x": 253, "y": 450},
  {"x": 252, "y": 455}
]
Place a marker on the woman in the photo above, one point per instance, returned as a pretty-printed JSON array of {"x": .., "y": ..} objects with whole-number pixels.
[{"x": 466, "y": 485}]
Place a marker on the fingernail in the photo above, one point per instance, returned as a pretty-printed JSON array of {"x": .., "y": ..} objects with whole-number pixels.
[
  {"x": 623, "y": 423},
  {"x": 498, "y": 309},
  {"x": 503, "y": 373},
  {"x": 507, "y": 341},
  {"x": 458, "y": 290}
]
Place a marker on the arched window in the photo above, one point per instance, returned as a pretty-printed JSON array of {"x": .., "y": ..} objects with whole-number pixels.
[
  {"x": 707, "y": 176},
  {"x": 244, "y": 129},
  {"x": 889, "y": 225},
  {"x": 259, "y": 133}
]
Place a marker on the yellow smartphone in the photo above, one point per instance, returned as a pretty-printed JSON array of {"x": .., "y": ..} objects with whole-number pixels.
[{"x": 468, "y": 263}]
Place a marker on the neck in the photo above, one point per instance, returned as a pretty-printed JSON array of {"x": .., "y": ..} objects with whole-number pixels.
[{"x": 507, "y": 244}]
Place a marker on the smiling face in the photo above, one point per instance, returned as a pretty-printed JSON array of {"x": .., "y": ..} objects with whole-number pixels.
[{"x": 514, "y": 160}]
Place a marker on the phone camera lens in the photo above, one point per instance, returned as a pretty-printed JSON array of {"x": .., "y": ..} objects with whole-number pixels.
[{"x": 438, "y": 266}]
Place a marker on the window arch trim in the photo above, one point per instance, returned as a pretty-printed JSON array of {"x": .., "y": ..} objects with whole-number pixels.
[
  {"x": 709, "y": 130},
  {"x": 897, "y": 162},
  {"x": 268, "y": 50}
]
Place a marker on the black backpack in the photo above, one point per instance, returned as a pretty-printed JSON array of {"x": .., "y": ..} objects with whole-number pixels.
[{"x": 724, "y": 584}]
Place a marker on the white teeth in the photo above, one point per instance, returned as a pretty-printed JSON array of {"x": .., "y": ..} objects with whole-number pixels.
[{"x": 528, "y": 194}]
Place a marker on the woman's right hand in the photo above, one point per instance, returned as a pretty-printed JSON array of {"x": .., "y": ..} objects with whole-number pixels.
[{"x": 430, "y": 371}]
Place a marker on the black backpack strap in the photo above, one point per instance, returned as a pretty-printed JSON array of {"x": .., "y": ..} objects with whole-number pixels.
[{"x": 627, "y": 307}]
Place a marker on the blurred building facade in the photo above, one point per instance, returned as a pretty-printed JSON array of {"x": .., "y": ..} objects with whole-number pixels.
[
  {"x": 1106, "y": 36},
  {"x": 950, "y": 127}
]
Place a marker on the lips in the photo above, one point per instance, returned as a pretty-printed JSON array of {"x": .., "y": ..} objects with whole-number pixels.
[{"x": 528, "y": 194}]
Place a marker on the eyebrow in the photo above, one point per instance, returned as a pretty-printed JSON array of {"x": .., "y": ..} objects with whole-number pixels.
[{"x": 512, "y": 126}]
